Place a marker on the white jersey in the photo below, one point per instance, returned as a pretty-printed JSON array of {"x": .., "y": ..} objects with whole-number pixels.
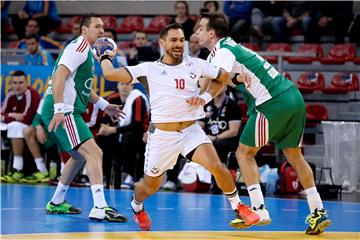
[{"x": 171, "y": 85}]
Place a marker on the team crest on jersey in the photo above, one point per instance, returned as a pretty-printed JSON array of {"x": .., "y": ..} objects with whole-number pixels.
[
  {"x": 155, "y": 170},
  {"x": 192, "y": 75}
]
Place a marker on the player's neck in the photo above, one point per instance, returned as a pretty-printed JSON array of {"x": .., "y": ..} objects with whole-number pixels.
[
  {"x": 212, "y": 43},
  {"x": 170, "y": 61}
]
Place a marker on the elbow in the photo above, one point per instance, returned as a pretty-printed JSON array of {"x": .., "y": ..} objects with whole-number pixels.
[{"x": 225, "y": 77}]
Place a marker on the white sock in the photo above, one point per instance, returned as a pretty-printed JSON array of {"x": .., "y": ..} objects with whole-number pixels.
[
  {"x": 98, "y": 195},
  {"x": 59, "y": 194},
  {"x": 313, "y": 199},
  {"x": 136, "y": 206},
  {"x": 40, "y": 164},
  {"x": 233, "y": 198},
  {"x": 18, "y": 163},
  {"x": 256, "y": 196}
]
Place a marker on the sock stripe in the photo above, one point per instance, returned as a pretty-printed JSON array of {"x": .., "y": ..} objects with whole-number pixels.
[{"x": 231, "y": 194}]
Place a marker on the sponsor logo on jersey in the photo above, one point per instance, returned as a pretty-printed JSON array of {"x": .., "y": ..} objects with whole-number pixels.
[
  {"x": 164, "y": 73},
  {"x": 155, "y": 170}
]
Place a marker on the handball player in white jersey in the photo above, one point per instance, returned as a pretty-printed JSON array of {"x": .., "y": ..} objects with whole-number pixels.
[{"x": 176, "y": 104}]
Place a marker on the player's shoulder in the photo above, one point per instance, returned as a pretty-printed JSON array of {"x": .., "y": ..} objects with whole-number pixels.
[
  {"x": 189, "y": 61},
  {"x": 78, "y": 45}
]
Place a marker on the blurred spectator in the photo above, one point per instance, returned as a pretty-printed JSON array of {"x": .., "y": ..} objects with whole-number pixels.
[
  {"x": 34, "y": 54},
  {"x": 354, "y": 29},
  {"x": 264, "y": 18},
  {"x": 4, "y": 16},
  {"x": 222, "y": 125},
  {"x": 239, "y": 13},
  {"x": 298, "y": 15},
  {"x": 75, "y": 32},
  {"x": 182, "y": 18},
  {"x": 195, "y": 50},
  {"x": 123, "y": 142},
  {"x": 43, "y": 11},
  {"x": 335, "y": 18},
  {"x": 209, "y": 7},
  {"x": 17, "y": 112},
  {"x": 139, "y": 50},
  {"x": 32, "y": 27}
]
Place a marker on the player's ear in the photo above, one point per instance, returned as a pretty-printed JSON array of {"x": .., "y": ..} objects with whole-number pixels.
[{"x": 162, "y": 43}]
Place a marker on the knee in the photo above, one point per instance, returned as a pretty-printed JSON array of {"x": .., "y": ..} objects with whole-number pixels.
[
  {"x": 29, "y": 132},
  {"x": 243, "y": 154}
]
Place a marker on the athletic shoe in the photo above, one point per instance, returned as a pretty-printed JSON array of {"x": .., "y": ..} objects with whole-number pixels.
[
  {"x": 317, "y": 222},
  {"x": 245, "y": 217},
  {"x": 106, "y": 213},
  {"x": 128, "y": 183},
  {"x": 143, "y": 220},
  {"x": 170, "y": 186},
  {"x": 12, "y": 177},
  {"x": 264, "y": 216},
  {"x": 37, "y": 177},
  {"x": 62, "y": 208}
]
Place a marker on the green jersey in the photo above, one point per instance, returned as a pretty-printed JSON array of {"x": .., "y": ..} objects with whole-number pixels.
[
  {"x": 78, "y": 58},
  {"x": 266, "y": 81}
]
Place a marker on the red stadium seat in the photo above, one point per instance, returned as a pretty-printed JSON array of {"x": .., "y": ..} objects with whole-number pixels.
[
  {"x": 339, "y": 54},
  {"x": 342, "y": 83},
  {"x": 194, "y": 17},
  {"x": 157, "y": 23},
  {"x": 357, "y": 60},
  {"x": 109, "y": 22},
  {"x": 253, "y": 46},
  {"x": 307, "y": 48},
  {"x": 66, "y": 25},
  {"x": 130, "y": 24},
  {"x": 287, "y": 74},
  {"x": 310, "y": 81},
  {"x": 315, "y": 113},
  {"x": 277, "y": 47}
]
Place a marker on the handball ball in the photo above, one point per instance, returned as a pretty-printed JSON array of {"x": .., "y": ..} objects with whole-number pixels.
[{"x": 102, "y": 45}]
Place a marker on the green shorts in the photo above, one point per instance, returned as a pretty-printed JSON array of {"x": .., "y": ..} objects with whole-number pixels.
[
  {"x": 281, "y": 121},
  {"x": 75, "y": 132}
]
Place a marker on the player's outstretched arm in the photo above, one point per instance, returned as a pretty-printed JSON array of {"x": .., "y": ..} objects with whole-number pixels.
[{"x": 114, "y": 74}]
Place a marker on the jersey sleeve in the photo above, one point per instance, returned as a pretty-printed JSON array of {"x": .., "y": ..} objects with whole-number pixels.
[
  {"x": 208, "y": 69},
  {"x": 74, "y": 55},
  {"x": 224, "y": 59},
  {"x": 137, "y": 71}
]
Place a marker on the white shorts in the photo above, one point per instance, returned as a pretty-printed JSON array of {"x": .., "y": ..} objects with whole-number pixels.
[
  {"x": 164, "y": 147},
  {"x": 16, "y": 129}
]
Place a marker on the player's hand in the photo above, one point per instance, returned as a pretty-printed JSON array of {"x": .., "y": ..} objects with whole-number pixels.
[
  {"x": 17, "y": 116},
  {"x": 106, "y": 130},
  {"x": 114, "y": 111},
  {"x": 196, "y": 101},
  {"x": 58, "y": 118},
  {"x": 244, "y": 78},
  {"x": 41, "y": 135}
]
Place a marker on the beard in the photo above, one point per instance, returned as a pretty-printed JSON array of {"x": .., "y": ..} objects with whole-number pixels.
[{"x": 175, "y": 55}]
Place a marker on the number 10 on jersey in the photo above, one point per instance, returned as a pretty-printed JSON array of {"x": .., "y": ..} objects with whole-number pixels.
[{"x": 179, "y": 83}]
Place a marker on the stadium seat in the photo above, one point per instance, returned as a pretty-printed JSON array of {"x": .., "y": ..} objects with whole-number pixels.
[
  {"x": 157, "y": 23},
  {"x": 357, "y": 60},
  {"x": 339, "y": 54},
  {"x": 130, "y": 24},
  {"x": 253, "y": 46},
  {"x": 307, "y": 48},
  {"x": 287, "y": 74},
  {"x": 310, "y": 81},
  {"x": 315, "y": 113},
  {"x": 277, "y": 47},
  {"x": 66, "y": 24},
  {"x": 195, "y": 18},
  {"x": 342, "y": 83},
  {"x": 109, "y": 22}
]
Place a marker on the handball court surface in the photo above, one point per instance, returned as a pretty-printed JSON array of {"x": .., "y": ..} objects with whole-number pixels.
[{"x": 175, "y": 215}]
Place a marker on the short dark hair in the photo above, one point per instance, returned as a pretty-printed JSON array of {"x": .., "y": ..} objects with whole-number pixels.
[
  {"x": 219, "y": 23},
  {"x": 112, "y": 32},
  {"x": 18, "y": 73},
  {"x": 86, "y": 20},
  {"x": 165, "y": 30},
  {"x": 216, "y": 4},
  {"x": 32, "y": 36}
]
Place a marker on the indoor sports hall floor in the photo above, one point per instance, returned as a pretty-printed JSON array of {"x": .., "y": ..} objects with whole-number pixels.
[{"x": 174, "y": 215}]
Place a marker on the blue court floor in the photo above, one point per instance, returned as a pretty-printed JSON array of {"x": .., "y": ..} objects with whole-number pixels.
[{"x": 184, "y": 215}]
